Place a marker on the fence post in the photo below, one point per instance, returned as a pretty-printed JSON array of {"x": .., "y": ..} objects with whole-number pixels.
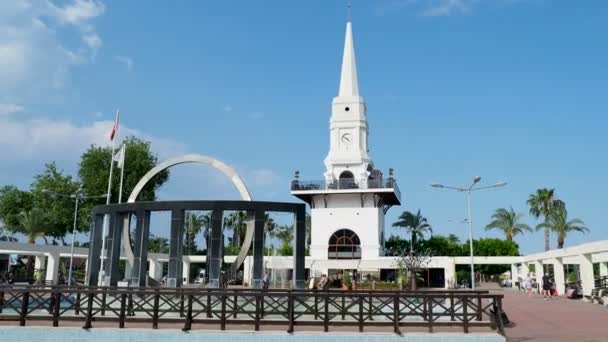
[
  {"x": 479, "y": 312},
  {"x": 290, "y": 311},
  {"x": 87, "y": 324},
  {"x": 77, "y": 304},
  {"x": 57, "y": 296},
  {"x": 234, "y": 305},
  {"x": 209, "y": 315},
  {"x": 188, "y": 323},
  {"x": 430, "y": 313},
  {"x": 1, "y": 299},
  {"x": 123, "y": 304},
  {"x": 465, "y": 316},
  {"x": 361, "y": 313},
  {"x": 181, "y": 305},
  {"x": 396, "y": 313},
  {"x": 24, "y": 307},
  {"x": 326, "y": 313},
  {"x": 257, "y": 310},
  {"x": 452, "y": 306},
  {"x": 155, "y": 310},
  {"x": 103, "y": 301},
  {"x": 223, "y": 298},
  {"x": 343, "y": 307},
  {"x": 501, "y": 324},
  {"x": 316, "y": 305},
  {"x": 369, "y": 309}
]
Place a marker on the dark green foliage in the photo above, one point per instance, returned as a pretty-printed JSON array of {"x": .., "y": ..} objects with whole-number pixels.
[
  {"x": 12, "y": 202},
  {"x": 95, "y": 170}
]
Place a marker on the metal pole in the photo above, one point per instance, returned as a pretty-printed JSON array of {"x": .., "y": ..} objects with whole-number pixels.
[
  {"x": 105, "y": 218},
  {"x": 73, "y": 237},
  {"x": 471, "y": 241},
  {"x": 122, "y": 170}
]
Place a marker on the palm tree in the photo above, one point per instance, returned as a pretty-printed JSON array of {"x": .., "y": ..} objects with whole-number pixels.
[
  {"x": 558, "y": 222},
  {"x": 31, "y": 224},
  {"x": 416, "y": 225},
  {"x": 195, "y": 224},
  {"x": 541, "y": 204},
  {"x": 236, "y": 221},
  {"x": 507, "y": 221}
]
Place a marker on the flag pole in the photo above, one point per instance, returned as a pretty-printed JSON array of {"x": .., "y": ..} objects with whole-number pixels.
[
  {"x": 122, "y": 170},
  {"x": 108, "y": 199}
]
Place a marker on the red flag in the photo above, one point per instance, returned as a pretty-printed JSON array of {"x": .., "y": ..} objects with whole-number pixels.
[{"x": 115, "y": 127}]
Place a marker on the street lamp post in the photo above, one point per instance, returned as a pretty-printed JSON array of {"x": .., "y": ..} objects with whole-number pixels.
[
  {"x": 468, "y": 190},
  {"x": 77, "y": 196}
]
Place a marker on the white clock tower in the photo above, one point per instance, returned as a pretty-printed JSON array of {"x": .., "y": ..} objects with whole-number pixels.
[
  {"x": 348, "y": 155},
  {"x": 348, "y": 206}
]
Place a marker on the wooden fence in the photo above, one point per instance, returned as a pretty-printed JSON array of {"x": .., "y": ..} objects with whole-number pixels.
[{"x": 225, "y": 306}]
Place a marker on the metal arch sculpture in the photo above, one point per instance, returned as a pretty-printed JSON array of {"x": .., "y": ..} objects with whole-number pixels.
[{"x": 226, "y": 170}]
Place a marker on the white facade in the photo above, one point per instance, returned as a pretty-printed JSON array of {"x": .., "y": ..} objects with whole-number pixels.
[{"x": 353, "y": 196}]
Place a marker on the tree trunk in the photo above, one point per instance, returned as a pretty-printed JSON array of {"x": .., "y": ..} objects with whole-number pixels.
[
  {"x": 560, "y": 240},
  {"x": 412, "y": 280},
  {"x": 509, "y": 237},
  {"x": 413, "y": 242},
  {"x": 547, "y": 235}
]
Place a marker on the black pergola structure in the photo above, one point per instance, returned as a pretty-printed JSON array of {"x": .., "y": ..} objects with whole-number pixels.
[{"x": 119, "y": 215}]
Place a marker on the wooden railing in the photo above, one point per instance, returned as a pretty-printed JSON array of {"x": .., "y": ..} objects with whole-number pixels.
[{"x": 288, "y": 308}]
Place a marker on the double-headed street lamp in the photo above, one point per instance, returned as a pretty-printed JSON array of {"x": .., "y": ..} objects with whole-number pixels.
[
  {"x": 77, "y": 196},
  {"x": 468, "y": 190}
]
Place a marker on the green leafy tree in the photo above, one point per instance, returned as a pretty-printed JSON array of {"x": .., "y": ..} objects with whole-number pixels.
[
  {"x": 541, "y": 204},
  {"x": 492, "y": 247},
  {"x": 396, "y": 245},
  {"x": 414, "y": 224},
  {"x": 507, "y": 220},
  {"x": 59, "y": 210},
  {"x": 441, "y": 245},
  {"x": 558, "y": 222},
  {"x": 270, "y": 230},
  {"x": 308, "y": 230},
  {"x": 12, "y": 202},
  {"x": 95, "y": 169}
]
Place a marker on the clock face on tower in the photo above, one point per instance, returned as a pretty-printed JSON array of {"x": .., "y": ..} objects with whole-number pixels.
[{"x": 347, "y": 139}]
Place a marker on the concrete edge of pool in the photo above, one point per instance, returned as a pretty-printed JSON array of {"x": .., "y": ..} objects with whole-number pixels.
[{"x": 70, "y": 334}]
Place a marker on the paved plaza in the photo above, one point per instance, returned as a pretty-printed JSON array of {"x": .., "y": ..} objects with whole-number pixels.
[{"x": 536, "y": 320}]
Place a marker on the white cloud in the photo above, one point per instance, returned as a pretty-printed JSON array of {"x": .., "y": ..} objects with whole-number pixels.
[
  {"x": 127, "y": 61},
  {"x": 92, "y": 40},
  {"x": 9, "y": 108},
  {"x": 98, "y": 114},
  {"x": 33, "y": 59},
  {"x": 80, "y": 11},
  {"x": 448, "y": 7},
  {"x": 437, "y": 8},
  {"x": 28, "y": 142},
  {"x": 227, "y": 108}
]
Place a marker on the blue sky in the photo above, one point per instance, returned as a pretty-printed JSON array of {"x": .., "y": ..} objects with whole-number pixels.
[{"x": 512, "y": 90}]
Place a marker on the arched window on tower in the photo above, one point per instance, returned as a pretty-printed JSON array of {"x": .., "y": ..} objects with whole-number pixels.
[
  {"x": 347, "y": 180},
  {"x": 344, "y": 244}
]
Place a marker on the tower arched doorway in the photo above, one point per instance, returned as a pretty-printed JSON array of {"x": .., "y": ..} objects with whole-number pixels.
[{"x": 344, "y": 244}]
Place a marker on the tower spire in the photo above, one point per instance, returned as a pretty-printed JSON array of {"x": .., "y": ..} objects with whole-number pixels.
[{"x": 349, "y": 84}]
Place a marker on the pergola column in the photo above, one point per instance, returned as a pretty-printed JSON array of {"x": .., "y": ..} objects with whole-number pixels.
[
  {"x": 214, "y": 250},
  {"x": 156, "y": 269},
  {"x": 257, "y": 281},
  {"x": 140, "y": 260},
  {"x": 94, "y": 259},
  {"x": 114, "y": 239},
  {"x": 514, "y": 275},
  {"x": 450, "y": 274},
  {"x": 299, "y": 282},
  {"x": 538, "y": 270},
  {"x": 586, "y": 270},
  {"x": 174, "y": 276},
  {"x": 52, "y": 268},
  {"x": 39, "y": 263},
  {"x": 559, "y": 277},
  {"x": 186, "y": 270}
]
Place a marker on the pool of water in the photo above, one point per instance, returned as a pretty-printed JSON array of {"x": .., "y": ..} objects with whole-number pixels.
[{"x": 45, "y": 334}]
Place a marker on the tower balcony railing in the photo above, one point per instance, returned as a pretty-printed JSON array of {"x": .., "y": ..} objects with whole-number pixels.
[{"x": 344, "y": 184}]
